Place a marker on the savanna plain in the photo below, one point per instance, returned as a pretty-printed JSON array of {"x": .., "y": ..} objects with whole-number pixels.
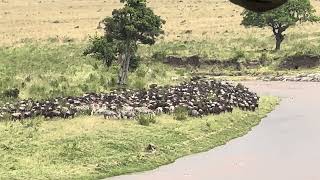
[{"x": 41, "y": 54}]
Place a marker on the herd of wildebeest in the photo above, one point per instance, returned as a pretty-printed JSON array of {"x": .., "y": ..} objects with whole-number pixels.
[{"x": 199, "y": 97}]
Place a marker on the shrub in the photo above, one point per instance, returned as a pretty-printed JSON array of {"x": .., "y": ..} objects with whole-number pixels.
[
  {"x": 181, "y": 113},
  {"x": 146, "y": 120},
  {"x": 134, "y": 63},
  {"x": 11, "y": 93}
]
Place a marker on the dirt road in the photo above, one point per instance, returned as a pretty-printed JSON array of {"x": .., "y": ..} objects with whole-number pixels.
[{"x": 285, "y": 146}]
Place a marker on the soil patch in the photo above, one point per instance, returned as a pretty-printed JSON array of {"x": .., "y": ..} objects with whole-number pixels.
[
  {"x": 302, "y": 61},
  {"x": 293, "y": 62},
  {"x": 196, "y": 61}
]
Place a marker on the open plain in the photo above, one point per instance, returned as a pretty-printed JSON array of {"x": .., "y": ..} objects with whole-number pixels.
[
  {"x": 76, "y": 19},
  {"x": 62, "y": 110}
]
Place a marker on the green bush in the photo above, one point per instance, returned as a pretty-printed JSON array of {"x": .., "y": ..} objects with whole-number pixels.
[
  {"x": 181, "y": 113},
  {"x": 102, "y": 49},
  {"x": 146, "y": 120},
  {"x": 134, "y": 63},
  {"x": 11, "y": 93}
]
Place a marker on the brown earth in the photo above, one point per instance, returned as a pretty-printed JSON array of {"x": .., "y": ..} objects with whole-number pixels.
[
  {"x": 303, "y": 61},
  {"x": 293, "y": 62}
]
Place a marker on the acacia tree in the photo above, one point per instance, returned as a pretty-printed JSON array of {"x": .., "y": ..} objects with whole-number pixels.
[
  {"x": 129, "y": 26},
  {"x": 280, "y": 19}
]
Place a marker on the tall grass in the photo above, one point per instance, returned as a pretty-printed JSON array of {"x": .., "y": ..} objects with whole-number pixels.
[{"x": 48, "y": 70}]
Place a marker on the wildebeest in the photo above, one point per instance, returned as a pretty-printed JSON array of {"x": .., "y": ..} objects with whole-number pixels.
[{"x": 198, "y": 96}]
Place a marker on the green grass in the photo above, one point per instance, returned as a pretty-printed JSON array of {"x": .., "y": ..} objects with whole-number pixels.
[
  {"x": 93, "y": 148},
  {"x": 50, "y": 69},
  {"x": 44, "y": 70},
  {"x": 247, "y": 47}
]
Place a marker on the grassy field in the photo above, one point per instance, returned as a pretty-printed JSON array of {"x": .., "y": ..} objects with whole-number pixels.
[
  {"x": 50, "y": 70},
  {"x": 202, "y": 24},
  {"x": 92, "y": 148},
  {"x": 41, "y": 49},
  {"x": 192, "y": 28},
  {"x": 68, "y": 19}
]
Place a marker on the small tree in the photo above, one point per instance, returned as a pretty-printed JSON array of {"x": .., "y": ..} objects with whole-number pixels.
[
  {"x": 133, "y": 24},
  {"x": 102, "y": 48},
  {"x": 282, "y": 18}
]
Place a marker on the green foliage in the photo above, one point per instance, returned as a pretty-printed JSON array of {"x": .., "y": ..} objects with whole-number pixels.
[
  {"x": 134, "y": 63},
  {"x": 146, "y": 119},
  {"x": 180, "y": 113},
  {"x": 287, "y": 15},
  {"x": 129, "y": 26},
  {"x": 11, "y": 93},
  {"x": 135, "y": 22},
  {"x": 280, "y": 19},
  {"x": 102, "y": 48}
]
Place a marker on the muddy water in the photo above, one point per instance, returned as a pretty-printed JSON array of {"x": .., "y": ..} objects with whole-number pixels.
[{"x": 285, "y": 146}]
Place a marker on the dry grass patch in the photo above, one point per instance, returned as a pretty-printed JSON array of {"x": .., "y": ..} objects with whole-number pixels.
[{"x": 186, "y": 20}]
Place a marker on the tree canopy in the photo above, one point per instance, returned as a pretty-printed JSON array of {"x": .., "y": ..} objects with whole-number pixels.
[
  {"x": 129, "y": 26},
  {"x": 280, "y": 19}
]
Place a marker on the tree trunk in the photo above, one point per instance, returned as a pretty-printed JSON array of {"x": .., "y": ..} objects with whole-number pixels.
[
  {"x": 123, "y": 73},
  {"x": 121, "y": 79},
  {"x": 278, "y": 44},
  {"x": 279, "y": 38}
]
